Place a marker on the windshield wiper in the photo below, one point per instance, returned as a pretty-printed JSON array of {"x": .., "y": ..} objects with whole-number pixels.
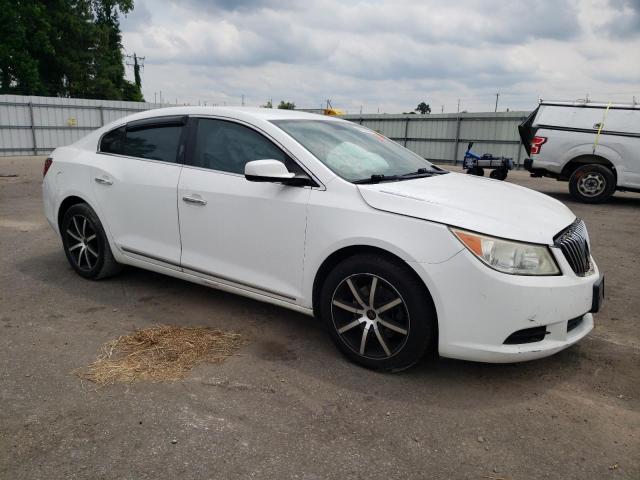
[
  {"x": 379, "y": 177},
  {"x": 425, "y": 172}
]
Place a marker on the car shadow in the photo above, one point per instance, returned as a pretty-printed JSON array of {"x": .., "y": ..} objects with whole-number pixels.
[
  {"x": 296, "y": 343},
  {"x": 627, "y": 201}
]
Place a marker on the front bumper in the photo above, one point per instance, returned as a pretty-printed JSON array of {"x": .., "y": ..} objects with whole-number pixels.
[{"x": 479, "y": 308}]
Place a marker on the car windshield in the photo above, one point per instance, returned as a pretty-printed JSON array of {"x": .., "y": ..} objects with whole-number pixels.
[{"x": 354, "y": 152}]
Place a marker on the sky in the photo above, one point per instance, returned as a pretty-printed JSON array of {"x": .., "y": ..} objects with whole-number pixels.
[{"x": 386, "y": 55}]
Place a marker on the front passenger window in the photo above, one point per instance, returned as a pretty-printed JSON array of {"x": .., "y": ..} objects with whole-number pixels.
[{"x": 228, "y": 146}]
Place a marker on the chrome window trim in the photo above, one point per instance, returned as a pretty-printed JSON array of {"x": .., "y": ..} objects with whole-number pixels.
[
  {"x": 258, "y": 130},
  {"x": 140, "y": 159}
]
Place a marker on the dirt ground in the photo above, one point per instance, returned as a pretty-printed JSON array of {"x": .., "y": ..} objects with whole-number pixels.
[{"x": 289, "y": 406}]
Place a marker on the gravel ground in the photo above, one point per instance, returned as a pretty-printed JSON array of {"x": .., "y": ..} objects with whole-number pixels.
[{"x": 289, "y": 406}]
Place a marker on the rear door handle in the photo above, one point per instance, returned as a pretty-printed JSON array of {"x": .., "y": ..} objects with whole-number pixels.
[
  {"x": 103, "y": 181},
  {"x": 195, "y": 200}
]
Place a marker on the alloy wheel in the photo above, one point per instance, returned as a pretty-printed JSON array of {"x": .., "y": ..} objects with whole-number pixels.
[
  {"x": 370, "y": 316},
  {"x": 82, "y": 243}
]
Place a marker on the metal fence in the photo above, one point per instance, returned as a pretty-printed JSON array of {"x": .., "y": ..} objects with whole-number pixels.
[
  {"x": 444, "y": 137},
  {"x": 37, "y": 125}
]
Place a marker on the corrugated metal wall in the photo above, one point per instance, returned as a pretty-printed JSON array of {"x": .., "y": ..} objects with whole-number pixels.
[
  {"x": 444, "y": 137},
  {"x": 36, "y": 125}
]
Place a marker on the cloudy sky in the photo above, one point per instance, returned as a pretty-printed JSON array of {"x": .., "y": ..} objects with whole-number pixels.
[{"x": 387, "y": 55}]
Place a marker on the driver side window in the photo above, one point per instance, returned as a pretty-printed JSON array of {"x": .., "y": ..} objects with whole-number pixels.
[{"x": 228, "y": 146}]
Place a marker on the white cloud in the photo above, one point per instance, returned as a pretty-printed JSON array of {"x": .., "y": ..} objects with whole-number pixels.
[{"x": 387, "y": 54}]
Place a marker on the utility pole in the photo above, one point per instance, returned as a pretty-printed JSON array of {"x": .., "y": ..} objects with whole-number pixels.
[
  {"x": 361, "y": 106},
  {"x": 138, "y": 64},
  {"x": 458, "y": 106},
  {"x": 243, "y": 99},
  {"x": 442, "y": 109},
  {"x": 497, "y": 96},
  {"x": 155, "y": 95}
]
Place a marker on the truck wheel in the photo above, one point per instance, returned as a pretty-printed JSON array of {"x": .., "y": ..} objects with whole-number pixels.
[{"x": 592, "y": 183}]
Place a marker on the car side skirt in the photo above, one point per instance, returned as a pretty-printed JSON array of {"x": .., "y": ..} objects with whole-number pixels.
[{"x": 157, "y": 265}]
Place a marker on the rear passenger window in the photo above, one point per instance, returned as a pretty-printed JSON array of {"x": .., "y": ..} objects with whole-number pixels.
[
  {"x": 154, "y": 142},
  {"x": 112, "y": 141},
  {"x": 228, "y": 146}
]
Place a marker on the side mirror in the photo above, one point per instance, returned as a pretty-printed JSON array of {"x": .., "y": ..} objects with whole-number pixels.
[
  {"x": 266, "y": 171},
  {"x": 272, "y": 171}
]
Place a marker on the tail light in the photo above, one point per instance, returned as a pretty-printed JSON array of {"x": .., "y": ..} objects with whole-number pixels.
[
  {"x": 47, "y": 165},
  {"x": 536, "y": 144}
]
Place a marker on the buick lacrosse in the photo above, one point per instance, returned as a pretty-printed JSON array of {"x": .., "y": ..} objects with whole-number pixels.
[{"x": 397, "y": 256}]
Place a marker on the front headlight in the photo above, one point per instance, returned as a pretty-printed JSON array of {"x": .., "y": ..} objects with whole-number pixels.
[{"x": 508, "y": 256}]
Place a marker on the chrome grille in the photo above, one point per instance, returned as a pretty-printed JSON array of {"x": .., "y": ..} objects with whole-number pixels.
[{"x": 573, "y": 241}]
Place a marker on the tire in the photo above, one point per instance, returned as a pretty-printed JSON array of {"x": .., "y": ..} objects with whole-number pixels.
[
  {"x": 400, "y": 327},
  {"x": 498, "y": 174},
  {"x": 592, "y": 183},
  {"x": 85, "y": 243},
  {"x": 479, "y": 171}
]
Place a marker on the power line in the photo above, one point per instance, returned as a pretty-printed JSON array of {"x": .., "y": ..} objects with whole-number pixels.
[{"x": 139, "y": 61}]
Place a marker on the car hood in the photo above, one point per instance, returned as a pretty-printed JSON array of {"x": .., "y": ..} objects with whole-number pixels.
[{"x": 475, "y": 203}]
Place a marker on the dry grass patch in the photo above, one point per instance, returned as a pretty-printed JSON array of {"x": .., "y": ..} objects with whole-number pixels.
[{"x": 159, "y": 353}]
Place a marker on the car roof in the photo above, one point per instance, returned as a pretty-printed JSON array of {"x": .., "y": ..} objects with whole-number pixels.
[
  {"x": 243, "y": 113},
  {"x": 247, "y": 114},
  {"x": 585, "y": 104}
]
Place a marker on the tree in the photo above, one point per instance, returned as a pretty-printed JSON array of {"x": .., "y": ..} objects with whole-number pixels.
[
  {"x": 64, "y": 48},
  {"x": 423, "y": 108},
  {"x": 286, "y": 105},
  {"x": 269, "y": 104}
]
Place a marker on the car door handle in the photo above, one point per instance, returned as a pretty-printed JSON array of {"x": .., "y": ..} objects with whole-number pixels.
[
  {"x": 194, "y": 200},
  {"x": 103, "y": 181}
]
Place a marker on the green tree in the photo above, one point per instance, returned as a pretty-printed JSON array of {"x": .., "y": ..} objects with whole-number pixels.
[
  {"x": 64, "y": 48},
  {"x": 423, "y": 108},
  {"x": 269, "y": 104},
  {"x": 19, "y": 70},
  {"x": 286, "y": 105}
]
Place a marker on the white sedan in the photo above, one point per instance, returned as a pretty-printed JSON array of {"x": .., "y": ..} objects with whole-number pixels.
[{"x": 398, "y": 257}]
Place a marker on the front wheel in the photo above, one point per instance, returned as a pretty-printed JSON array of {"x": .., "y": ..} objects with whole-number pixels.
[
  {"x": 85, "y": 243},
  {"x": 592, "y": 183},
  {"x": 378, "y": 313}
]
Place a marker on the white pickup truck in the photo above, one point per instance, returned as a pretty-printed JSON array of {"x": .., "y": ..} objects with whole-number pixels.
[{"x": 593, "y": 146}]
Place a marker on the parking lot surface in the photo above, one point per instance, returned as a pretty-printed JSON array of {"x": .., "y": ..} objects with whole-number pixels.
[{"x": 288, "y": 405}]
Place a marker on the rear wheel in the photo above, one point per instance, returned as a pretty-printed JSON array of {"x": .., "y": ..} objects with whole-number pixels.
[
  {"x": 85, "y": 243},
  {"x": 499, "y": 174},
  {"x": 377, "y": 312},
  {"x": 592, "y": 183}
]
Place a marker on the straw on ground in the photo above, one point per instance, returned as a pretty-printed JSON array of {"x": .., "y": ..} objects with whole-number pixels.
[{"x": 159, "y": 353}]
